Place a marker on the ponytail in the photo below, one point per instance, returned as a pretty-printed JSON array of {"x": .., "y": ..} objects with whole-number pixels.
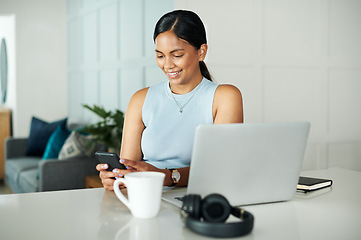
[{"x": 204, "y": 71}]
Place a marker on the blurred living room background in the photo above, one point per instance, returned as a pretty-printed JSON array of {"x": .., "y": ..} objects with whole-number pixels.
[{"x": 293, "y": 60}]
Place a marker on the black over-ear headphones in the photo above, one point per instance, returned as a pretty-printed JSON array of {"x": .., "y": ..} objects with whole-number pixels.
[{"x": 214, "y": 209}]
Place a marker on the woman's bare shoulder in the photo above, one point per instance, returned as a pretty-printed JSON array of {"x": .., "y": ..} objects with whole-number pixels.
[
  {"x": 139, "y": 96},
  {"x": 227, "y": 105},
  {"x": 141, "y": 93},
  {"x": 226, "y": 91},
  {"x": 137, "y": 100}
]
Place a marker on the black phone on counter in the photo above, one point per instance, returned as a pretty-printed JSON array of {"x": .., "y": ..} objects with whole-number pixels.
[{"x": 112, "y": 159}]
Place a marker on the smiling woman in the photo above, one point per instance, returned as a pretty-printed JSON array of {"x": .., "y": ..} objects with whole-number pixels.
[{"x": 160, "y": 121}]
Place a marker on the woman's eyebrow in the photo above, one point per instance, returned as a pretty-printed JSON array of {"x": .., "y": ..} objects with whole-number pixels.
[{"x": 173, "y": 51}]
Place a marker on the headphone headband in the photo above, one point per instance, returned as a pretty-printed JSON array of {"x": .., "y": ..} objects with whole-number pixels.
[
  {"x": 217, "y": 229},
  {"x": 233, "y": 229}
]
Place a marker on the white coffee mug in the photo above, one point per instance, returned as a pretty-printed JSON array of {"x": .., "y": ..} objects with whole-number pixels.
[{"x": 144, "y": 192}]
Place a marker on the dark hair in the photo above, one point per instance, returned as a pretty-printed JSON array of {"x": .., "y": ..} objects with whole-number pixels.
[{"x": 188, "y": 26}]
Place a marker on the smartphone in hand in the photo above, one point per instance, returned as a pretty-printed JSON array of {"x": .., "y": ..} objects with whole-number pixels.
[{"x": 112, "y": 159}]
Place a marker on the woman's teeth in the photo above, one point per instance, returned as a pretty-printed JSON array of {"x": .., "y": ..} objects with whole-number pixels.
[{"x": 174, "y": 74}]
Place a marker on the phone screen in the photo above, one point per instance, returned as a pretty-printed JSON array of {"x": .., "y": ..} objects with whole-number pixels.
[{"x": 112, "y": 159}]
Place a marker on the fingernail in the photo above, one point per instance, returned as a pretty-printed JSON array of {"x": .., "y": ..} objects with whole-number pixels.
[
  {"x": 116, "y": 178},
  {"x": 120, "y": 175},
  {"x": 122, "y": 160},
  {"x": 126, "y": 167},
  {"x": 105, "y": 166},
  {"x": 114, "y": 171}
]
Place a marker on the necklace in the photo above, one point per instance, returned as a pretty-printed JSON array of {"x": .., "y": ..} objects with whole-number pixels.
[{"x": 181, "y": 107}]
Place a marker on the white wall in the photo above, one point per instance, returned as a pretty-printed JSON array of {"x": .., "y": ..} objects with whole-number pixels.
[
  {"x": 110, "y": 52},
  {"x": 41, "y": 80},
  {"x": 294, "y": 60}
]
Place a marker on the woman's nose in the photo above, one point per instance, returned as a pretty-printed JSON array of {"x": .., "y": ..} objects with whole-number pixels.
[{"x": 169, "y": 64}]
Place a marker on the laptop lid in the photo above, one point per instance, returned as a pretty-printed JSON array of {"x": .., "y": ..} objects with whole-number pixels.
[{"x": 247, "y": 163}]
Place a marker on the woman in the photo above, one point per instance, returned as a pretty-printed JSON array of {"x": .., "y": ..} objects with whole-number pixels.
[{"x": 160, "y": 120}]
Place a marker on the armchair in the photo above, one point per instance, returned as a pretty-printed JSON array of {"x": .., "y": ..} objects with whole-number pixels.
[{"x": 31, "y": 174}]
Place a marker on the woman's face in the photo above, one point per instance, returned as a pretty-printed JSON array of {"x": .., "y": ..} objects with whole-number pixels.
[{"x": 178, "y": 59}]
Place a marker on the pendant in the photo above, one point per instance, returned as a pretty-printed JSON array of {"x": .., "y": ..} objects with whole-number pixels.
[{"x": 180, "y": 111}]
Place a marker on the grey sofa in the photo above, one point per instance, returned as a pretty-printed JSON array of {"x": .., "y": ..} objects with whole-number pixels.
[{"x": 21, "y": 171}]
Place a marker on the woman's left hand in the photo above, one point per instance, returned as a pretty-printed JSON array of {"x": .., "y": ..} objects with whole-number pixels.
[
  {"x": 139, "y": 166},
  {"x": 142, "y": 166}
]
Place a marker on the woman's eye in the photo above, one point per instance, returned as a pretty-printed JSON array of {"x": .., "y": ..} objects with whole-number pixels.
[
  {"x": 178, "y": 56},
  {"x": 159, "y": 56}
]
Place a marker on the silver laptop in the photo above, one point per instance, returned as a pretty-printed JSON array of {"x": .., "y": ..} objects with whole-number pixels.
[{"x": 247, "y": 163}]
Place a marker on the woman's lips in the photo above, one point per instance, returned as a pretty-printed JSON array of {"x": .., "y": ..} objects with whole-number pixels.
[{"x": 174, "y": 74}]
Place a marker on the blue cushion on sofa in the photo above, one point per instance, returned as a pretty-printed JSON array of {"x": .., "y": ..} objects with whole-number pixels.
[
  {"x": 40, "y": 132},
  {"x": 56, "y": 142}
]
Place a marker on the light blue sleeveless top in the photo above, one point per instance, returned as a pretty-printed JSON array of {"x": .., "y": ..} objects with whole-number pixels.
[{"x": 167, "y": 139}]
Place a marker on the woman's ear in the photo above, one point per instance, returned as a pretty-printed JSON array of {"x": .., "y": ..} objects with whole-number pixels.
[{"x": 202, "y": 52}]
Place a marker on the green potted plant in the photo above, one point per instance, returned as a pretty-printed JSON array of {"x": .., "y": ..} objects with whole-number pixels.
[{"x": 108, "y": 130}]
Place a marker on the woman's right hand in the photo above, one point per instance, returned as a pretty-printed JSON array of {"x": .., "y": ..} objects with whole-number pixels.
[{"x": 107, "y": 177}]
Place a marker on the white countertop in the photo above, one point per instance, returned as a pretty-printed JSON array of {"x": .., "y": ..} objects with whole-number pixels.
[{"x": 332, "y": 213}]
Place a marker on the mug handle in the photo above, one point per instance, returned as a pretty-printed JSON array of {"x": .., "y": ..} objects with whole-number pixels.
[{"x": 119, "y": 194}]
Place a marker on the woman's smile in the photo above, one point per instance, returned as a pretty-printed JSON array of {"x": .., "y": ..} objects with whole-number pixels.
[{"x": 174, "y": 75}]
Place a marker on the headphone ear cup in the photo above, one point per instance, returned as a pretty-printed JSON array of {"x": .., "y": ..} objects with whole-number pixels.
[
  {"x": 191, "y": 205},
  {"x": 215, "y": 208}
]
